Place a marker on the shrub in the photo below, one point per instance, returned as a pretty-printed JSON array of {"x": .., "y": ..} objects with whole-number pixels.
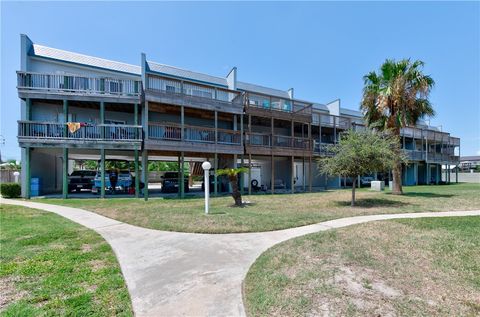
[{"x": 10, "y": 190}]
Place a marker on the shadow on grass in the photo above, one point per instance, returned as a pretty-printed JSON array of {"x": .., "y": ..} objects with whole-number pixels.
[
  {"x": 372, "y": 203},
  {"x": 427, "y": 195}
]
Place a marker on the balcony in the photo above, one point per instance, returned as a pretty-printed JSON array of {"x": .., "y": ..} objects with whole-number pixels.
[
  {"x": 111, "y": 136},
  {"x": 265, "y": 144},
  {"x": 168, "y": 136},
  {"x": 414, "y": 155},
  {"x": 177, "y": 92},
  {"x": 264, "y": 105},
  {"x": 323, "y": 149},
  {"x": 331, "y": 121},
  {"x": 48, "y": 86}
]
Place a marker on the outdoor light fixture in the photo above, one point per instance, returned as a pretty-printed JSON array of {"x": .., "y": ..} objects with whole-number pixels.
[
  {"x": 16, "y": 174},
  {"x": 206, "y": 168}
]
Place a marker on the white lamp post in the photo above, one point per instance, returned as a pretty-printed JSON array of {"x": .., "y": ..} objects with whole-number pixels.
[
  {"x": 206, "y": 167},
  {"x": 16, "y": 174}
]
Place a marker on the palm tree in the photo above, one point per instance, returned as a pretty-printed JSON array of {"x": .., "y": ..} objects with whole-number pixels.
[
  {"x": 395, "y": 97},
  {"x": 232, "y": 174}
]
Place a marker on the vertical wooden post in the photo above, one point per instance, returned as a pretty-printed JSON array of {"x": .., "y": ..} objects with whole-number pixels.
[
  {"x": 310, "y": 177},
  {"x": 304, "y": 172},
  {"x": 137, "y": 175},
  {"x": 102, "y": 119},
  {"x": 250, "y": 174},
  {"x": 145, "y": 173},
  {"x": 145, "y": 126},
  {"x": 241, "y": 129},
  {"x": 292, "y": 178},
  {"x": 242, "y": 175},
  {"x": 65, "y": 174},
  {"x": 102, "y": 173},
  {"x": 65, "y": 117},
  {"x": 216, "y": 128},
  {"x": 28, "y": 179},
  {"x": 181, "y": 184},
  {"x": 182, "y": 123},
  {"x": 272, "y": 185},
  {"x": 215, "y": 167}
]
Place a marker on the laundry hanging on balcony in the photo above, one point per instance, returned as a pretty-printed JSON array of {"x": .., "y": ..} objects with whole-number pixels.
[{"x": 75, "y": 126}]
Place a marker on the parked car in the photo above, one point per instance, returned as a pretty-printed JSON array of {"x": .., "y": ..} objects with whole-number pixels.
[
  {"x": 79, "y": 180},
  {"x": 170, "y": 182},
  {"x": 125, "y": 180}
]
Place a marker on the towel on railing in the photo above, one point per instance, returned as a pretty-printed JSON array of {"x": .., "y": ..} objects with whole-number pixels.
[{"x": 73, "y": 126}]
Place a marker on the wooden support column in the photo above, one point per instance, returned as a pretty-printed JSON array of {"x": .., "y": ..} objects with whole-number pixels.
[
  {"x": 28, "y": 109},
  {"x": 456, "y": 173},
  {"x": 272, "y": 185},
  {"x": 310, "y": 177},
  {"x": 304, "y": 172},
  {"x": 102, "y": 173},
  {"x": 241, "y": 130},
  {"x": 242, "y": 175},
  {"x": 216, "y": 127},
  {"x": 102, "y": 119},
  {"x": 215, "y": 168},
  {"x": 28, "y": 179},
  {"x": 181, "y": 184},
  {"x": 65, "y": 174},
  {"x": 137, "y": 174},
  {"x": 135, "y": 119},
  {"x": 292, "y": 178},
  {"x": 335, "y": 130},
  {"x": 250, "y": 174},
  {"x": 65, "y": 117},
  {"x": 145, "y": 173},
  {"x": 145, "y": 127},
  {"x": 182, "y": 123}
]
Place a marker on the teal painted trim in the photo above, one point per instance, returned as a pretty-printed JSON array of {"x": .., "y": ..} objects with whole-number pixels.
[
  {"x": 137, "y": 175},
  {"x": 65, "y": 174},
  {"x": 102, "y": 118},
  {"x": 145, "y": 174},
  {"x": 102, "y": 173},
  {"x": 186, "y": 78},
  {"x": 86, "y": 65},
  {"x": 28, "y": 179}
]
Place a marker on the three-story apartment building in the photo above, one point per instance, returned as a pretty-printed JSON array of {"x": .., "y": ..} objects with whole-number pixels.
[{"x": 82, "y": 107}]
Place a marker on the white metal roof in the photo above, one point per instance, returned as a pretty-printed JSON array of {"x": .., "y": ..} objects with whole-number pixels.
[
  {"x": 53, "y": 53},
  {"x": 186, "y": 74}
]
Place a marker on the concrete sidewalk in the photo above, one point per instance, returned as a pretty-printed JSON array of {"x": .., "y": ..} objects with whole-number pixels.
[{"x": 189, "y": 274}]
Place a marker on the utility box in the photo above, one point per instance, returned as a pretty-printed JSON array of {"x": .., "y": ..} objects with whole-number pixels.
[
  {"x": 34, "y": 186},
  {"x": 377, "y": 186}
]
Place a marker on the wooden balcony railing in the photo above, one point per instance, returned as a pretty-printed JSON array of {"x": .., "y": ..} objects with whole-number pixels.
[
  {"x": 172, "y": 131},
  {"x": 414, "y": 155},
  {"x": 78, "y": 84},
  {"x": 59, "y": 131},
  {"x": 178, "y": 88},
  {"x": 325, "y": 149},
  {"x": 278, "y": 104},
  {"x": 265, "y": 140}
]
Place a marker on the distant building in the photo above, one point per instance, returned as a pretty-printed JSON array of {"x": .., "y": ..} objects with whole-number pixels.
[{"x": 469, "y": 162}]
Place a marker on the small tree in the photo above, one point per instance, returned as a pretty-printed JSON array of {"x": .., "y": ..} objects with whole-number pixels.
[
  {"x": 232, "y": 174},
  {"x": 360, "y": 153}
]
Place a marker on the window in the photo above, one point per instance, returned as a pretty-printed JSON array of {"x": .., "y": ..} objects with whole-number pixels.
[{"x": 170, "y": 88}]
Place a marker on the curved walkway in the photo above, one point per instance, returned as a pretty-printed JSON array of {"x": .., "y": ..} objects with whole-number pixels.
[{"x": 189, "y": 274}]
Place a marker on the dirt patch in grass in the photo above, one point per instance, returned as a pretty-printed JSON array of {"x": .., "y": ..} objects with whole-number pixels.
[
  {"x": 274, "y": 212},
  {"x": 414, "y": 267},
  {"x": 8, "y": 292}
]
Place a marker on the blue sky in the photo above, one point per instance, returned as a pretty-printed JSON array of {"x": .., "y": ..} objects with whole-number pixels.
[{"x": 321, "y": 49}]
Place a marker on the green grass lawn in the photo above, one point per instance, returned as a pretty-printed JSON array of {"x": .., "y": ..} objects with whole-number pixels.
[
  {"x": 410, "y": 267},
  {"x": 53, "y": 267},
  {"x": 272, "y": 212}
]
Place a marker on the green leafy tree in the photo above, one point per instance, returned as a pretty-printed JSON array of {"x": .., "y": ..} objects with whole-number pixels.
[
  {"x": 361, "y": 153},
  {"x": 232, "y": 174},
  {"x": 394, "y": 97}
]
